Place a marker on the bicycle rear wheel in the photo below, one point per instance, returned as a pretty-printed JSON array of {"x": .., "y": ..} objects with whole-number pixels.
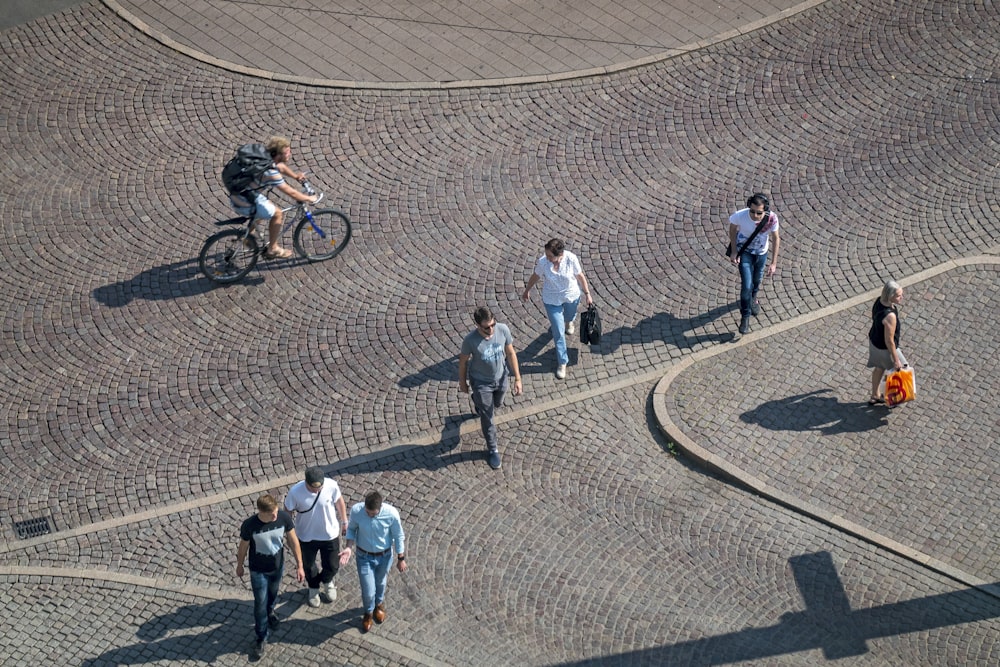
[
  {"x": 228, "y": 256},
  {"x": 322, "y": 234}
]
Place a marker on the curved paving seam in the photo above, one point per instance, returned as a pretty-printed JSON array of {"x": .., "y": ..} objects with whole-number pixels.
[
  {"x": 718, "y": 464},
  {"x": 426, "y": 439},
  {"x": 171, "y": 43},
  {"x": 243, "y": 595},
  {"x": 468, "y": 427}
]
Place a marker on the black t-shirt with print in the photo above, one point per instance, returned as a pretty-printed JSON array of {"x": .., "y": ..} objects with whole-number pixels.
[{"x": 267, "y": 541}]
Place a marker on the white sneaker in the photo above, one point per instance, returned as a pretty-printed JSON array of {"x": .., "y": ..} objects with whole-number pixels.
[
  {"x": 571, "y": 327},
  {"x": 329, "y": 590},
  {"x": 314, "y": 600},
  {"x": 561, "y": 371}
]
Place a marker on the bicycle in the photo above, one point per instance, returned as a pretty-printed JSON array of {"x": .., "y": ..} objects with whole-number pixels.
[{"x": 319, "y": 235}]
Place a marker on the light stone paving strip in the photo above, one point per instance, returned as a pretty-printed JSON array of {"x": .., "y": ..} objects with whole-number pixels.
[
  {"x": 698, "y": 452},
  {"x": 753, "y": 459},
  {"x": 129, "y": 384},
  {"x": 680, "y": 536},
  {"x": 496, "y": 44}
]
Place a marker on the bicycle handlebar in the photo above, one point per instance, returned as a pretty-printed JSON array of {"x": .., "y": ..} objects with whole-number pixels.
[{"x": 310, "y": 190}]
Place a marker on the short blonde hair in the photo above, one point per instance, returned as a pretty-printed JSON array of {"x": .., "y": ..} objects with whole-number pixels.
[{"x": 276, "y": 145}]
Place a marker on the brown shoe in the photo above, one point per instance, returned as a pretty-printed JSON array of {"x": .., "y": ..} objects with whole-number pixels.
[
  {"x": 379, "y": 612},
  {"x": 366, "y": 623}
]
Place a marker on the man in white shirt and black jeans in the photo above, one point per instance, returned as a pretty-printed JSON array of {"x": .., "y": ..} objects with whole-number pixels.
[{"x": 319, "y": 504}]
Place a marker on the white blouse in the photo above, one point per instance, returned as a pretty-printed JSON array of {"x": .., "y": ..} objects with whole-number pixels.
[{"x": 559, "y": 286}]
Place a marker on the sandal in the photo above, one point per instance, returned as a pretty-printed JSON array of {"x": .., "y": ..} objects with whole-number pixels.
[
  {"x": 876, "y": 401},
  {"x": 278, "y": 253}
]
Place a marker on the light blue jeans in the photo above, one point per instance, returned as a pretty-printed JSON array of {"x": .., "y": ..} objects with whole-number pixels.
[
  {"x": 373, "y": 572},
  {"x": 558, "y": 317}
]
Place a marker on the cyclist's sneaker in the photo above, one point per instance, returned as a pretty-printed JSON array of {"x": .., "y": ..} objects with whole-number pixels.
[{"x": 278, "y": 253}]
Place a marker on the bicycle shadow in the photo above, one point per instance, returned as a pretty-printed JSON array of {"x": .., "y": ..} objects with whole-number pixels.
[
  {"x": 176, "y": 280},
  {"x": 668, "y": 328},
  {"x": 812, "y": 412}
]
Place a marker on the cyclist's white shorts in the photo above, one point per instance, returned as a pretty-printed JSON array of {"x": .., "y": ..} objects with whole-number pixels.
[{"x": 265, "y": 208}]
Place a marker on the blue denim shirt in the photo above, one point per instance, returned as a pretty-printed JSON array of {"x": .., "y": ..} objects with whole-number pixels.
[{"x": 378, "y": 533}]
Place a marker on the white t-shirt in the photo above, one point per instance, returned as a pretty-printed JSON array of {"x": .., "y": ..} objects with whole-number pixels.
[
  {"x": 321, "y": 522},
  {"x": 745, "y": 226},
  {"x": 559, "y": 287}
]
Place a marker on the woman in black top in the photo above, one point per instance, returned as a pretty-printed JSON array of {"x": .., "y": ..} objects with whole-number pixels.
[{"x": 883, "y": 337}]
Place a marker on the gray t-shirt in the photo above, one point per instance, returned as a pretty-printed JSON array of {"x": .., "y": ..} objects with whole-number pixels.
[{"x": 487, "y": 362}]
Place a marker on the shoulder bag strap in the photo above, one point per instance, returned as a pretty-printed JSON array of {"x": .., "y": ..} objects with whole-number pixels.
[
  {"x": 315, "y": 500},
  {"x": 756, "y": 231}
]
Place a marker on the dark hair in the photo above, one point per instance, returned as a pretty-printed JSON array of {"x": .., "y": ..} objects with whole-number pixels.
[
  {"x": 759, "y": 199},
  {"x": 555, "y": 246},
  {"x": 482, "y": 314},
  {"x": 373, "y": 501}
]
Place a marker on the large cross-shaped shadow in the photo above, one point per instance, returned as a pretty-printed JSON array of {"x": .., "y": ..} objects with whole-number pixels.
[{"x": 827, "y": 623}]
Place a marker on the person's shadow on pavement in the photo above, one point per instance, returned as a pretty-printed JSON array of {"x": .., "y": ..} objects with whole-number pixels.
[
  {"x": 814, "y": 412},
  {"x": 408, "y": 457},
  {"x": 227, "y": 630},
  {"x": 668, "y": 328}
]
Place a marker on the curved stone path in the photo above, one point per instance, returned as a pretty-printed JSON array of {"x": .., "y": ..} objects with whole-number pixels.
[
  {"x": 143, "y": 410},
  {"x": 470, "y": 43}
]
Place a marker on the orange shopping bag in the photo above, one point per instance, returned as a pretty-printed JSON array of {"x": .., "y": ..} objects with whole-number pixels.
[{"x": 900, "y": 386}]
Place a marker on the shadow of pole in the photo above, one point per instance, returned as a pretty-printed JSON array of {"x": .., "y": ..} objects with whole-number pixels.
[{"x": 827, "y": 623}]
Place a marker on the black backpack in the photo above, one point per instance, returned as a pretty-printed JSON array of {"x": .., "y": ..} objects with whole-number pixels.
[{"x": 245, "y": 168}]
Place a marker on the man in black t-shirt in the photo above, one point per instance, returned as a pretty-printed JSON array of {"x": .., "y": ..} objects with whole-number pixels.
[{"x": 263, "y": 537}]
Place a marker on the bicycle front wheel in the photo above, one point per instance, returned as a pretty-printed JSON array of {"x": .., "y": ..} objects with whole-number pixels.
[
  {"x": 228, "y": 256},
  {"x": 322, "y": 234}
]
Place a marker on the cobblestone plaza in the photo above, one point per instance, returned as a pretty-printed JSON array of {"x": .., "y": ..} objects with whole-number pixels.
[{"x": 687, "y": 496}]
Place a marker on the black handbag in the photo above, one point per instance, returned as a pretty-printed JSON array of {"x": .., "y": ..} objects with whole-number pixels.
[
  {"x": 590, "y": 326},
  {"x": 756, "y": 231}
]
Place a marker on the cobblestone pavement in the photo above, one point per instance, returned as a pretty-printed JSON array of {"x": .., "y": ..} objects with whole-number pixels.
[
  {"x": 412, "y": 43},
  {"x": 922, "y": 474},
  {"x": 143, "y": 409}
]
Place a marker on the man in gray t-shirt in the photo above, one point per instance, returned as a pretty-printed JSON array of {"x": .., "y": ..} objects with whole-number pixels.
[{"x": 487, "y": 353}]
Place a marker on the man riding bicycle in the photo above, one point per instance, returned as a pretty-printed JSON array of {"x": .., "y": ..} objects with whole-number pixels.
[{"x": 261, "y": 207}]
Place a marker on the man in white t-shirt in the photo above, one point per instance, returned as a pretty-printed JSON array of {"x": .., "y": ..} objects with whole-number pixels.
[
  {"x": 321, "y": 518},
  {"x": 749, "y": 247}
]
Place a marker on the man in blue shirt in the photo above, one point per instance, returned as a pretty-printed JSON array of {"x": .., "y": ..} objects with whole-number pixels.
[
  {"x": 373, "y": 529},
  {"x": 486, "y": 358}
]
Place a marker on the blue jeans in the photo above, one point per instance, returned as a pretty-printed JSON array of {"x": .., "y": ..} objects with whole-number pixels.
[
  {"x": 558, "y": 317},
  {"x": 751, "y": 274},
  {"x": 265, "y": 594},
  {"x": 373, "y": 572},
  {"x": 487, "y": 397}
]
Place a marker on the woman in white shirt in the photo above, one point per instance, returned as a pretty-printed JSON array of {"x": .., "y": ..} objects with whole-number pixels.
[{"x": 562, "y": 282}]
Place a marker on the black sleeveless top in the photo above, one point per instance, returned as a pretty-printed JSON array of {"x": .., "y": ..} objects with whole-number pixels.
[{"x": 877, "y": 333}]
